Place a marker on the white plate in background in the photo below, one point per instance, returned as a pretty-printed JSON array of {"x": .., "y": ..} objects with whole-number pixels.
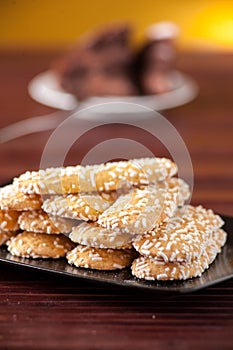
[{"x": 45, "y": 89}]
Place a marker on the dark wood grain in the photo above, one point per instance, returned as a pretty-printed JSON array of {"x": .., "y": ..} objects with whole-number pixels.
[{"x": 38, "y": 311}]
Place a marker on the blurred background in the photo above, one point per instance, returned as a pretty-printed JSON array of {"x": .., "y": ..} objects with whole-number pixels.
[
  {"x": 33, "y": 33},
  {"x": 204, "y": 24}
]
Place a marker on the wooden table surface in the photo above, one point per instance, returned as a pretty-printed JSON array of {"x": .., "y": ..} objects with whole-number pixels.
[{"x": 40, "y": 311}]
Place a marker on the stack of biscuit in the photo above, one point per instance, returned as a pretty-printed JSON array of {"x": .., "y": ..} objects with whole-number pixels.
[
  {"x": 118, "y": 214},
  {"x": 181, "y": 247},
  {"x": 27, "y": 230}
]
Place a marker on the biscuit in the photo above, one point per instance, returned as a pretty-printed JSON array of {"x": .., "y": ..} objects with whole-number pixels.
[
  {"x": 206, "y": 216},
  {"x": 93, "y": 235},
  {"x": 100, "y": 259},
  {"x": 6, "y": 235},
  {"x": 9, "y": 220},
  {"x": 136, "y": 172},
  {"x": 39, "y": 221},
  {"x": 182, "y": 237},
  {"x": 142, "y": 209},
  {"x": 219, "y": 238},
  {"x": 77, "y": 206},
  {"x": 181, "y": 188},
  {"x": 12, "y": 198},
  {"x": 96, "y": 178},
  {"x": 153, "y": 269},
  {"x": 39, "y": 245},
  {"x": 108, "y": 196}
]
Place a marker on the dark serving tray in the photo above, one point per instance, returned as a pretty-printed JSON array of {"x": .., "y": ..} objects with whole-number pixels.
[{"x": 220, "y": 270}]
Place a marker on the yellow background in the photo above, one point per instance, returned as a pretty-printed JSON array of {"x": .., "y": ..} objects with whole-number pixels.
[{"x": 55, "y": 23}]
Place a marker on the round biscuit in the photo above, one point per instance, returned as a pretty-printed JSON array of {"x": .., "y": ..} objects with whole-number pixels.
[
  {"x": 12, "y": 198},
  {"x": 100, "y": 259},
  {"x": 39, "y": 221},
  {"x": 6, "y": 235},
  {"x": 9, "y": 220},
  {"x": 39, "y": 245}
]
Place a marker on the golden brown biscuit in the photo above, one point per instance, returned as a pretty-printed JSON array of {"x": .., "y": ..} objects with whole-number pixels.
[
  {"x": 12, "y": 198},
  {"x": 93, "y": 235},
  {"x": 77, "y": 206},
  {"x": 153, "y": 269},
  {"x": 219, "y": 238},
  {"x": 39, "y": 221},
  {"x": 182, "y": 237},
  {"x": 96, "y": 178},
  {"x": 9, "y": 220},
  {"x": 100, "y": 259},
  {"x": 136, "y": 172},
  {"x": 206, "y": 216},
  {"x": 108, "y": 196},
  {"x": 39, "y": 245},
  {"x": 142, "y": 209},
  {"x": 180, "y": 187},
  {"x": 6, "y": 235}
]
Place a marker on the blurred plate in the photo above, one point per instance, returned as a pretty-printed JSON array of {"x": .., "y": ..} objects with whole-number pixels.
[
  {"x": 220, "y": 270},
  {"x": 44, "y": 88}
]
